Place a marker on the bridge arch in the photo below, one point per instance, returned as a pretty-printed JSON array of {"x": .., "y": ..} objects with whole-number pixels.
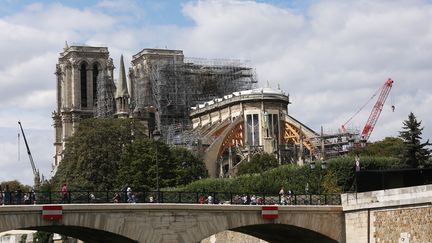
[
  {"x": 85, "y": 234},
  {"x": 283, "y": 233},
  {"x": 173, "y": 222}
]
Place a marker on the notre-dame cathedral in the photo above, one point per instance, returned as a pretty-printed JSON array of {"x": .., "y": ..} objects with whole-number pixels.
[{"x": 161, "y": 87}]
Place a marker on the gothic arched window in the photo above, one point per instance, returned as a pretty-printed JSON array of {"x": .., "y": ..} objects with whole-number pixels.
[
  {"x": 95, "y": 77},
  {"x": 83, "y": 85}
]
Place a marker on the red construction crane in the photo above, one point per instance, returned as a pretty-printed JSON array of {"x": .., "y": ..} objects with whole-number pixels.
[{"x": 376, "y": 111}]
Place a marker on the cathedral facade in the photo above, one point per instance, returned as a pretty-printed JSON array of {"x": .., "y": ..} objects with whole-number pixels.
[
  {"x": 86, "y": 89},
  {"x": 162, "y": 88}
]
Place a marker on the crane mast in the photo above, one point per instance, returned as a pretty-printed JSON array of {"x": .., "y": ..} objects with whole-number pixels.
[
  {"x": 35, "y": 171},
  {"x": 376, "y": 111}
]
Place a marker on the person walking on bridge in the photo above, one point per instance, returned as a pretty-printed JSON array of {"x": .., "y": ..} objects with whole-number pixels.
[
  {"x": 64, "y": 194},
  {"x": 130, "y": 195}
]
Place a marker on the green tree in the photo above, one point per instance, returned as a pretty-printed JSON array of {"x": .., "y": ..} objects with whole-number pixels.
[
  {"x": 147, "y": 162},
  {"x": 189, "y": 167},
  {"x": 92, "y": 154},
  {"x": 414, "y": 153},
  {"x": 14, "y": 185},
  {"x": 389, "y": 147},
  {"x": 258, "y": 164}
]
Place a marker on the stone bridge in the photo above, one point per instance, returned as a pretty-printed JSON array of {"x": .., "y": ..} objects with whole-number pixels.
[{"x": 179, "y": 222}]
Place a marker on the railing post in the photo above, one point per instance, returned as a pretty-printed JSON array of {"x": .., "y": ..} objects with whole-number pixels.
[
  {"x": 197, "y": 197},
  {"x": 179, "y": 200},
  {"x": 161, "y": 196},
  {"x": 310, "y": 199},
  {"x": 231, "y": 199},
  {"x": 295, "y": 199}
]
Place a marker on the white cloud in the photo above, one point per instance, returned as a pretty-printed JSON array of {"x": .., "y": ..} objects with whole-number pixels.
[
  {"x": 57, "y": 17},
  {"x": 239, "y": 28},
  {"x": 331, "y": 57}
]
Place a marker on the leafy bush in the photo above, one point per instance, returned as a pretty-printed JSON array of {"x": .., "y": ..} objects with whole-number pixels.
[{"x": 338, "y": 177}]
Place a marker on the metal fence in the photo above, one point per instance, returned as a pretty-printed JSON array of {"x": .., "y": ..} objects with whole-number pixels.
[{"x": 77, "y": 197}]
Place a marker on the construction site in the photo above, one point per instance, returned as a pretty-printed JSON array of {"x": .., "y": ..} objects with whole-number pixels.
[
  {"x": 165, "y": 83},
  {"x": 212, "y": 106}
]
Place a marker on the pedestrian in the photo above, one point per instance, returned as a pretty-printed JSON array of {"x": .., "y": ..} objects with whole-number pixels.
[
  {"x": 64, "y": 193},
  {"x": 32, "y": 196},
  {"x": 282, "y": 196},
  {"x": 289, "y": 197},
  {"x": 130, "y": 195},
  {"x": 253, "y": 200},
  {"x": 209, "y": 199},
  {"x": 92, "y": 197},
  {"x": 7, "y": 195},
  {"x": 26, "y": 198},
  {"x": 116, "y": 198},
  {"x": 201, "y": 199},
  {"x": 18, "y": 195},
  {"x": 124, "y": 192}
]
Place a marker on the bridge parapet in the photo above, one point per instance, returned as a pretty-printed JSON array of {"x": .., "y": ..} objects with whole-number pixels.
[
  {"x": 170, "y": 222},
  {"x": 387, "y": 198}
]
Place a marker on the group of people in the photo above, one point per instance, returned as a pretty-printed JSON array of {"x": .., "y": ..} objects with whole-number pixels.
[
  {"x": 16, "y": 197},
  {"x": 208, "y": 200}
]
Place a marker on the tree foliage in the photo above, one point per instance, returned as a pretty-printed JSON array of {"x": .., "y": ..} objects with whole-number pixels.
[
  {"x": 13, "y": 186},
  {"x": 109, "y": 153},
  {"x": 92, "y": 154},
  {"x": 147, "y": 162},
  {"x": 414, "y": 153},
  {"x": 388, "y": 147},
  {"x": 259, "y": 163},
  {"x": 338, "y": 177}
]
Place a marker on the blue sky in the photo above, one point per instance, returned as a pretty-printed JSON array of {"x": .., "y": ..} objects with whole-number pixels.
[{"x": 329, "y": 55}]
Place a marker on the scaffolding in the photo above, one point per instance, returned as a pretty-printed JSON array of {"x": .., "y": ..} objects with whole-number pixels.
[
  {"x": 170, "y": 85},
  {"x": 105, "y": 103},
  {"x": 332, "y": 144}
]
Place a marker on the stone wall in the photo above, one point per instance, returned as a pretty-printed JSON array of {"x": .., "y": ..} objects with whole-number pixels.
[
  {"x": 403, "y": 225},
  {"x": 397, "y": 215}
]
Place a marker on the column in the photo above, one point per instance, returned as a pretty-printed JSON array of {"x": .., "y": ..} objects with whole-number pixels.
[
  {"x": 67, "y": 87},
  {"x": 76, "y": 87},
  {"x": 89, "y": 86}
]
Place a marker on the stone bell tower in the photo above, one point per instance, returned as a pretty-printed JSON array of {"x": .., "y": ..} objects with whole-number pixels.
[{"x": 80, "y": 71}]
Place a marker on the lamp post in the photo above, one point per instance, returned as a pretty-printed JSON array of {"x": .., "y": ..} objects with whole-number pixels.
[
  {"x": 156, "y": 137},
  {"x": 323, "y": 167}
]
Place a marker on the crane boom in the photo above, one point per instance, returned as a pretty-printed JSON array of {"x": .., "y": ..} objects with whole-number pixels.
[
  {"x": 376, "y": 111},
  {"x": 35, "y": 172}
]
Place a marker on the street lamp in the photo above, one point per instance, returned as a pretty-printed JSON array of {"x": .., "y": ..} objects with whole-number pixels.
[
  {"x": 323, "y": 167},
  {"x": 156, "y": 137}
]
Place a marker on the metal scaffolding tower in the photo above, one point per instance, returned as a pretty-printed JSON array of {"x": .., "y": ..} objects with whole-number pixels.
[{"x": 168, "y": 84}]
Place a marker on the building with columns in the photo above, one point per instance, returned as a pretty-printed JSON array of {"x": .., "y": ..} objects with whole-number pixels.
[
  {"x": 238, "y": 125},
  {"x": 85, "y": 89},
  {"x": 212, "y": 103},
  {"x": 162, "y": 87}
]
